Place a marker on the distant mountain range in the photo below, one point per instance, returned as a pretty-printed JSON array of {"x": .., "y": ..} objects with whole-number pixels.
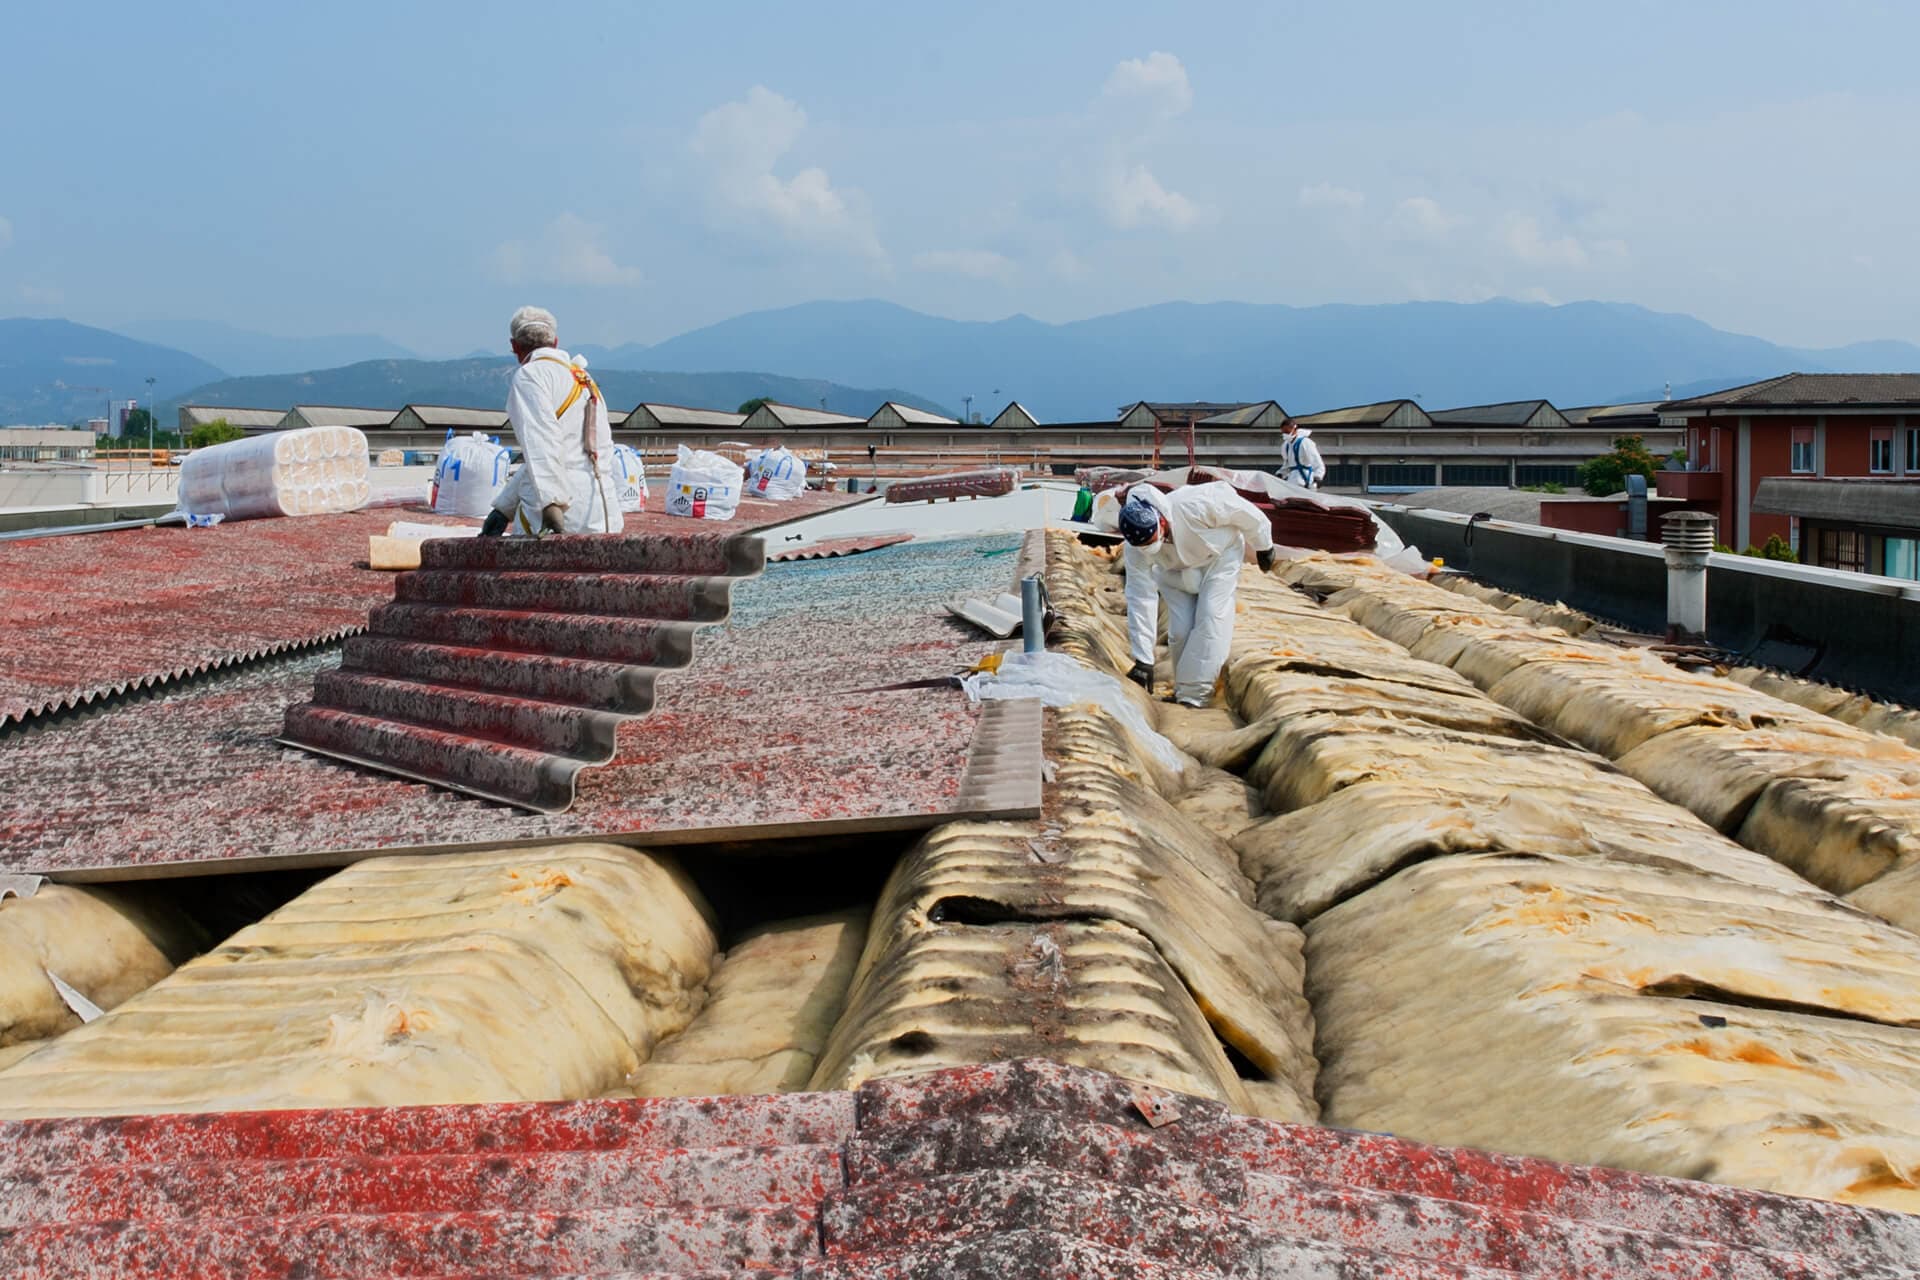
[
  {"x": 390, "y": 384},
  {"x": 244, "y": 353},
  {"x": 857, "y": 354},
  {"x": 1308, "y": 358}
]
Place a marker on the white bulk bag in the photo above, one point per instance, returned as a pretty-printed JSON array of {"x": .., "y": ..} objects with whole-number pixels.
[
  {"x": 776, "y": 474},
  {"x": 629, "y": 478},
  {"x": 470, "y": 475},
  {"x": 307, "y": 471},
  {"x": 703, "y": 485}
]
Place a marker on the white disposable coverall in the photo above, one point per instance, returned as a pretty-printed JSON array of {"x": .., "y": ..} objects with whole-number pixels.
[
  {"x": 1195, "y": 569},
  {"x": 1302, "y": 464},
  {"x": 556, "y": 466}
]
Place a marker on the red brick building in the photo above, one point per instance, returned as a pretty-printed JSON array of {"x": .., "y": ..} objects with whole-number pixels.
[{"x": 1852, "y": 438}]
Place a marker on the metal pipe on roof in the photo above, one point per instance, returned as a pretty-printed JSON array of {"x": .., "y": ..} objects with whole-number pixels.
[{"x": 61, "y": 531}]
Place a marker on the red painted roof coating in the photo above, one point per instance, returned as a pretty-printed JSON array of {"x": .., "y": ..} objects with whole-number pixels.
[
  {"x": 1015, "y": 1170},
  {"x": 87, "y": 615},
  {"x": 761, "y": 732}
]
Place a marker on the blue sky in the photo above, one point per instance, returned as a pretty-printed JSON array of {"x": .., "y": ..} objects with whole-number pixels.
[{"x": 417, "y": 170}]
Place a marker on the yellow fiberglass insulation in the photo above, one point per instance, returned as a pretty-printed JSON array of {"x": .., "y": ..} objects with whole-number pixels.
[
  {"x": 106, "y": 944},
  {"x": 1611, "y": 1014},
  {"x": 770, "y": 1007},
  {"x": 537, "y": 973}
]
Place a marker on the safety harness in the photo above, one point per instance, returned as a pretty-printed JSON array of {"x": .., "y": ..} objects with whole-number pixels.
[{"x": 583, "y": 383}]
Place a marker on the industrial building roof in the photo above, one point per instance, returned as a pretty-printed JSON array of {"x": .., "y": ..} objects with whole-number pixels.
[
  {"x": 1244, "y": 414},
  {"x": 455, "y": 416},
  {"x": 333, "y": 415},
  {"x": 1015, "y": 415},
  {"x": 1638, "y": 413},
  {"x": 674, "y": 415},
  {"x": 1363, "y": 415},
  {"x": 917, "y": 416},
  {"x": 1794, "y": 390},
  {"x": 1511, "y": 413},
  {"x": 1181, "y": 410},
  {"x": 198, "y": 415},
  {"x": 775, "y": 414}
]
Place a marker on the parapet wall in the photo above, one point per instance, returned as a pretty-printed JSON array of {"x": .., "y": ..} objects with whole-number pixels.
[{"x": 1856, "y": 630}]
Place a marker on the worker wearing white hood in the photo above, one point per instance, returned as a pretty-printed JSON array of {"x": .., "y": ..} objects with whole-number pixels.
[
  {"x": 565, "y": 482},
  {"x": 1300, "y": 457},
  {"x": 1186, "y": 548}
]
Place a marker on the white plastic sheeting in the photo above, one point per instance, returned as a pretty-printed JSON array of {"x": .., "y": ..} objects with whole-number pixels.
[
  {"x": 1061, "y": 681},
  {"x": 304, "y": 472},
  {"x": 470, "y": 475}
]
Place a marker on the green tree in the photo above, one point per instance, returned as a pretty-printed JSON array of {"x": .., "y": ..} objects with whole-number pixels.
[
  {"x": 137, "y": 423},
  {"x": 1777, "y": 548},
  {"x": 748, "y": 406},
  {"x": 219, "y": 431},
  {"x": 1607, "y": 474}
]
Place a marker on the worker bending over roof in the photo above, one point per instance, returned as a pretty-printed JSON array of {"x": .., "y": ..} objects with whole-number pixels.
[
  {"x": 565, "y": 482},
  {"x": 1186, "y": 548}
]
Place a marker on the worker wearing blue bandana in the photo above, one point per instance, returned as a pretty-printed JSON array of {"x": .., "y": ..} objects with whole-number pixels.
[
  {"x": 1300, "y": 457},
  {"x": 1186, "y": 548}
]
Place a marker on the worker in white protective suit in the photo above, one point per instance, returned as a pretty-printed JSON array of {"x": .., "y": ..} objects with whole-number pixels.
[
  {"x": 1300, "y": 457},
  {"x": 1186, "y": 548},
  {"x": 565, "y": 482}
]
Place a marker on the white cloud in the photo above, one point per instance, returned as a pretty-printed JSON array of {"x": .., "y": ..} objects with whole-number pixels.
[
  {"x": 1067, "y": 265},
  {"x": 568, "y": 251},
  {"x": 1526, "y": 240},
  {"x": 6, "y": 233},
  {"x": 1422, "y": 218},
  {"x": 1133, "y": 197},
  {"x": 979, "y": 264},
  {"x": 1158, "y": 81},
  {"x": 1132, "y": 111},
  {"x": 739, "y": 143},
  {"x": 1325, "y": 195}
]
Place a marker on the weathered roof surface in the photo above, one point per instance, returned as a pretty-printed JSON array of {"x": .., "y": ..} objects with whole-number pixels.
[
  {"x": 1181, "y": 410},
  {"x": 1599, "y": 415},
  {"x": 1245, "y": 413},
  {"x": 196, "y": 415},
  {"x": 1014, "y": 415},
  {"x": 788, "y": 415},
  {"x": 329, "y": 415},
  {"x": 443, "y": 415},
  {"x": 1855, "y": 500},
  {"x": 1359, "y": 415},
  {"x": 767, "y": 733},
  {"x": 1511, "y": 413},
  {"x": 1500, "y": 503},
  {"x": 1892, "y": 390},
  {"x": 681, "y": 416},
  {"x": 1016, "y": 1170},
  {"x": 89, "y": 615},
  {"x": 920, "y": 417}
]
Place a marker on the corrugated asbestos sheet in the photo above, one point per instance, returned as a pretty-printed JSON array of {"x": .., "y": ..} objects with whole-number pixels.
[
  {"x": 91, "y": 615},
  {"x": 504, "y": 666},
  {"x": 1017, "y": 1170},
  {"x": 762, "y": 737},
  {"x": 829, "y": 548}
]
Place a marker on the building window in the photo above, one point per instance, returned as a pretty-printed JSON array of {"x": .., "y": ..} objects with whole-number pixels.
[
  {"x": 1913, "y": 451},
  {"x": 1843, "y": 549},
  {"x": 1343, "y": 475},
  {"x": 1801, "y": 459},
  {"x": 1903, "y": 558},
  {"x": 1543, "y": 473},
  {"x": 1383, "y": 475},
  {"x": 1880, "y": 452},
  {"x": 1465, "y": 473}
]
